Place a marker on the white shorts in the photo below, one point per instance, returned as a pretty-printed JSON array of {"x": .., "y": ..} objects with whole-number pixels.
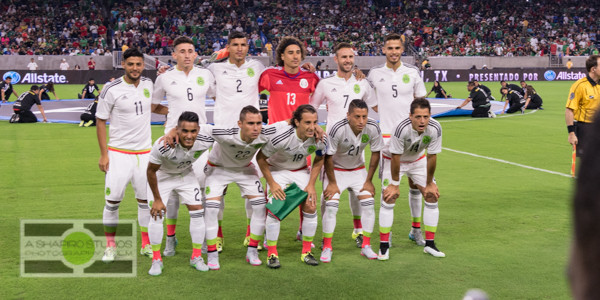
[
  {"x": 217, "y": 178},
  {"x": 287, "y": 177},
  {"x": 353, "y": 180},
  {"x": 183, "y": 185},
  {"x": 122, "y": 169},
  {"x": 416, "y": 171},
  {"x": 198, "y": 167}
]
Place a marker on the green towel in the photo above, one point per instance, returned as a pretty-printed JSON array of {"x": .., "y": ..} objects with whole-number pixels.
[{"x": 293, "y": 197}]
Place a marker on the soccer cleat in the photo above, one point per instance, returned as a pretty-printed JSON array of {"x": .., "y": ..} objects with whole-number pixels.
[
  {"x": 523, "y": 109},
  {"x": 109, "y": 254},
  {"x": 384, "y": 256},
  {"x": 358, "y": 238},
  {"x": 309, "y": 259},
  {"x": 252, "y": 256},
  {"x": 367, "y": 252},
  {"x": 273, "y": 262},
  {"x": 198, "y": 263},
  {"x": 81, "y": 123},
  {"x": 326, "y": 255},
  {"x": 213, "y": 260},
  {"x": 246, "y": 241},
  {"x": 220, "y": 243},
  {"x": 416, "y": 236},
  {"x": 170, "y": 246},
  {"x": 88, "y": 123},
  {"x": 491, "y": 114},
  {"x": 156, "y": 269},
  {"x": 146, "y": 250},
  {"x": 434, "y": 251}
]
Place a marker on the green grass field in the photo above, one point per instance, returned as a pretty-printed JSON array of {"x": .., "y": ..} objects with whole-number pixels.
[{"x": 504, "y": 228}]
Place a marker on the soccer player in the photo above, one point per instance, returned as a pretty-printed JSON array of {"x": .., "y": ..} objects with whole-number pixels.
[
  {"x": 480, "y": 102},
  {"x": 582, "y": 104},
  {"x": 230, "y": 161},
  {"x": 514, "y": 100},
  {"x": 283, "y": 161},
  {"x": 6, "y": 89},
  {"x": 412, "y": 138},
  {"x": 345, "y": 169},
  {"x": 89, "y": 90},
  {"x": 22, "y": 107},
  {"x": 186, "y": 88},
  {"x": 126, "y": 102},
  {"x": 396, "y": 85},
  {"x": 336, "y": 92},
  {"x": 170, "y": 171}
]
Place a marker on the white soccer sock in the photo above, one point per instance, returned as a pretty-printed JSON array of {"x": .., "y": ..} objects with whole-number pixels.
[
  {"x": 329, "y": 216},
  {"x": 173, "y": 207},
  {"x": 197, "y": 227},
  {"x": 248, "y": 208},
  {"x": 221, "y": 208},
  {"x": 210, "y": 218},
  {"x": 416, "y": 204},
  {"x": 143, "y": 214},
  {"x": 386, "y": 215},
  {"x": 273, "y": 228},
  {"x": 259, "y": 215},
  {"x": 431, "y": 216},
  {"x": 155, "y": 230},
  {"x": 368, "y": 214},
  {"x": 110, "y": 215},
  {"x": 309, "y": 225}
]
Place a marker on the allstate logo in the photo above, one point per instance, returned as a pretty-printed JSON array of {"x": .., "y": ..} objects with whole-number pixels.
[
  {"x": 550, "y": 75},
  {"x": 14, "y": 75}
]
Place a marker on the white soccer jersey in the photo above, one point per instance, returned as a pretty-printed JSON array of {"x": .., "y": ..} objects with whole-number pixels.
[
  {"x": 235, "y": 88},
  {"x": 337, "y": 93},
  {"x": 285, "y": 151},
  {"x": 128, "y": 108},
  {"x": 184, "y": 93},
  {"x": 347, "y": 148},
  {"x": 231, "y": 151},
  {"x": 412, "y": 145},
  {"x": 395, "y": 91},
  {"x": 179, "y": 160}
]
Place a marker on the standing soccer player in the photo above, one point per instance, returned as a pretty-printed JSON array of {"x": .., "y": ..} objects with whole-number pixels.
[
  {"x": 283, "y": 161},
  {"x": 336, "y": 92},
  {"x": 126, "y": 102},
  {"x": 412, "y": 138},
  {"x": 345, "y": 169},
  {"x": 185, "y": 88},
  {"x": 170, "y": 171},
  {"x": 396, "y": 85},
  {"x": 228, "y": 162}
]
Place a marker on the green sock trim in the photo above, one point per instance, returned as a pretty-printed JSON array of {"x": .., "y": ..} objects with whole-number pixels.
[
  {"x": 171, "y": 221},
  {"x": 271, "y": 243},
  {"x": 307, "y": 238},
  {"x": 328, "y": 235},
  {"x": 156, "y": 247},
  {"x": 430, "y": 228},
  {"x": 220, "y": 222},
  {"x": 197, "y": 246},
  {"x": 356, "y": 217},
  {"x": 417, "y": 219},
  {"x": 211, "y": 242},
  {"x": 109, "y": 229},
  {"x": 143, "y": 229},
  {"x": 385, "y": 229},
  {"x": 256, "y": 237},
  {"x": 367, "y": 234}
]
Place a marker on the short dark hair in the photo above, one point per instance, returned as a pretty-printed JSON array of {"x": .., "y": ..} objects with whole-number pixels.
[
  {"x": 90, "y": 79},
  {"x": 8, "y": 77},
  {"x": 591, "y": 62},
  {"x": 393, "y": 36},
  {"x": 419, "y": 102},
  {"x": 286, "y": 42},
  {"x": 297, "y": 114},
  {"x": 249, "y": 109},
  {"x": 188, "y": 116},
  {"x": 522, "y": 81},
  {"x": 341, "y": 45},
  {"x": 132, "y": 52},
  {"x": 34, "y": 88},
  {"x": 236, "y": 35},
  {"x": 503, "y": 88},
  {"x": 357, "y": 103},
  {"x": 471, "y": 83},
  {"x": 181, "y": 40}
]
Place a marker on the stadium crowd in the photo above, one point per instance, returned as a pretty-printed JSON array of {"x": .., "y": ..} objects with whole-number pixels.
[{"x": 456, "y": 27}]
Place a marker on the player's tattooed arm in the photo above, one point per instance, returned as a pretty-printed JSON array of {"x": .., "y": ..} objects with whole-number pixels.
[
  {"x": 158, "y": 208},
  {"x": 171, "y": 138}
]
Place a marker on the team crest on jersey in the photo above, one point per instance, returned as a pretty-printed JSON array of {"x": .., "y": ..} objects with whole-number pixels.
[
  {"x": 311, "y": 149},
  {"x": 303, "y": 83},
  {"x": 364, "y": 138},
  {"x": 257, "y": 146},
  {"x": 207, "y": 190},
  {"x": 197, "y": 154},
  {"x": 572, "y": 96},
  {"x": 200, "y": 81},
  {"x": 146, "y": 93},
  {"x": 357, "y": 88},
  {"x": 250, "y": 72},
  {"x": 386, "y": 182},
  {"x": 107, "y": 192},
  {"x": 405, "y": 78},
  {"x": 426, "y": 139}
]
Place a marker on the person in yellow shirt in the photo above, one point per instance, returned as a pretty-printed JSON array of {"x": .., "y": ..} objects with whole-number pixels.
[
  {"x": 569, "y": 63},
  {"x": 583, "y": 104}
]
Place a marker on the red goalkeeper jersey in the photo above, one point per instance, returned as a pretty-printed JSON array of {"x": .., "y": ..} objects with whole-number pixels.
[{"x": 287, "y": 91}]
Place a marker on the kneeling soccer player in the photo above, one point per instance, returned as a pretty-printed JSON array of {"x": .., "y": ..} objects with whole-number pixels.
[
  {"x": 412, "y": 137},
  {"x": 283, "y": 162},
  {"x": 345, "y": 169},
  {"x": 170, "y": 170}
]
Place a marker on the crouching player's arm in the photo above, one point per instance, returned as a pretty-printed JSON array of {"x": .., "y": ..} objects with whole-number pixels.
[
  {"x": 274, "y": 187},
  {"x": 314, "y": 174},
  {"x": 392, "y": 191},
  {"x": 332, "y": 187},
  {"x": 373, "y": 163},
  {"x": 158, "y": 207},
  {"x": 431, "y": 190}
]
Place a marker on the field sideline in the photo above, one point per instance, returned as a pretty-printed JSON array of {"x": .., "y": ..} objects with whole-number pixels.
[{"x": 504, "y": 228}]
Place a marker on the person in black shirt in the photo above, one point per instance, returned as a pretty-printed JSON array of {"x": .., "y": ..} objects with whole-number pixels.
[
  {"x": 6, "y": 89},
  {"x": 89, "y": 90},
  {"x": 44, "y": 89},
  {"x": 479, "y": 100},
  {"x": 263, "y": 103},
  {"x": 88, "y": 117},
  {"x": 510, "y": 87},
  {"x": 22, "y": 107},
  {"x": 438, "y": 90},
  {"x": 514, "y": 100},
  {"x": 485, "y": 89},
  {"x": 535, "y": 101}
]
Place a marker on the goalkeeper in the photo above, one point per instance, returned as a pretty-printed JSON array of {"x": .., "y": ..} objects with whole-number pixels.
[{"x": 283, "y": 162}]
